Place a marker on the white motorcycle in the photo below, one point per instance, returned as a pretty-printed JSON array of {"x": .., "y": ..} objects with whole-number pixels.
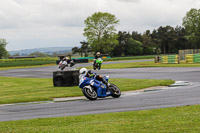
[{"x": 62, "y": 65}]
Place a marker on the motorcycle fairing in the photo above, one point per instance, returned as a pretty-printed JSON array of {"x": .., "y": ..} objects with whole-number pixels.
[{"x": 99, "y": 87}]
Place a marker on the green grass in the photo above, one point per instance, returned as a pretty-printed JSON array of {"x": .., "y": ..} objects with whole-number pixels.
[
  {"x": 166, "y": 120},
  {"x": 47, "y": 60},
  {"x": 16, "y": 90},
  {"x": 129, "y": 58},
  {"x": 36, "y": 62},
  {"x": 21, "y": 67},
  {"x": 143, "y": 64},
  {"x": 26, "y": 62}
]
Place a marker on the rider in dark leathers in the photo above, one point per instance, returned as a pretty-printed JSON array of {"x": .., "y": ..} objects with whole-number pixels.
[{"x": 91, "y": 74}]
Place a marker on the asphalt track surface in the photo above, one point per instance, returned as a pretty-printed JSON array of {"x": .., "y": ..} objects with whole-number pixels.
[
  {"x": 160, "y": 98},
  {"x": 47, "y": 72}
]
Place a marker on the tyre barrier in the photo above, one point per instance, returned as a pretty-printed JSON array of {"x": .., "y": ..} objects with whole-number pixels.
[
  {"x": 57, "y": 62},
  {"x": 169, "y": 59},
  {"x": 81, "y": 60},
  {"x": 66, "y": 78},
  {"x": 183, "y": 53},
  {"x": 157, "y": 59},
  {"x": 192, "y": 58}
]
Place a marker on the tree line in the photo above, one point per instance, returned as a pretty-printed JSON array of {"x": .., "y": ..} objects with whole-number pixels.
[
  {"x": 164, "y": 40},
  {"x": 100, "y": 33}
]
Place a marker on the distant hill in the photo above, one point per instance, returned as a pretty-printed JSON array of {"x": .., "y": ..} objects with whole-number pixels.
[{"x": 48, "y": 50}]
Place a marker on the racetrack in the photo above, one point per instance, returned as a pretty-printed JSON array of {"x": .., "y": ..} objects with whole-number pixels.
[
  {"x": 47, "y": 72},
  {"x": 165, "y": 97}
]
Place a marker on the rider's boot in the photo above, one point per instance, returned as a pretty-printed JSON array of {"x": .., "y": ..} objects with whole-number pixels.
[{"x": 105, "y": 82}]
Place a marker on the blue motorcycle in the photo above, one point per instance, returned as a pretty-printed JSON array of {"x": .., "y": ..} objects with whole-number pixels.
[{"x": 93, "y": 88}]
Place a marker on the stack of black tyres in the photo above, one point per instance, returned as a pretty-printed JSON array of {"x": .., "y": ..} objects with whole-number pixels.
[{"x": 66, "y": 78}]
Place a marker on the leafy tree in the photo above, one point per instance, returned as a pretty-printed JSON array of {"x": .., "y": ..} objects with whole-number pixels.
[
  {"x": 100, "y": 32},
  {"x": 75, "y": 50},
  {"x": 85, "y": 48},
  {"x": 191, "y": 22},
  {"x": 149, "y": 47},
  {"x": 180, "y": 41},
  {"x": 109, "y": 43},
  {"x": 134, "y": 47},
  {"x": 136, "y": 36},
  {"x": 156, "y": 41},
  {"x": 166, "y": 38},
  {"x": 3, "y": 51},
  {"x": 123, "y": 38}
]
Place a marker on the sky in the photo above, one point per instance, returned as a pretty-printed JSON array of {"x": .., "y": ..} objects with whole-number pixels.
[{"x": 27, "y": 24}]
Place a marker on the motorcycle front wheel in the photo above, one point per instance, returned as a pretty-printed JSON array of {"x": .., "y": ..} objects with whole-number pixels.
[
  {"x": 89, "y": 93},
  {"x": 115, "y": 91}
]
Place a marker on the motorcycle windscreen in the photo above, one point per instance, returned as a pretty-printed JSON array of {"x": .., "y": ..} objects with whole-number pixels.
[{"x": 83, "y": 81}]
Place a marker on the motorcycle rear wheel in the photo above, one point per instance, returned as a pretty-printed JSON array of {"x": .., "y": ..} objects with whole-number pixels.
[
  {"x": 62, "y": 67},
  {"x": 115, "y": 91},
  {"x": 72, "y": 64},
  {"x": 94, "y": 67},
  {"x": 99, "y": 66},
  {"x": 90, "y": 94}
]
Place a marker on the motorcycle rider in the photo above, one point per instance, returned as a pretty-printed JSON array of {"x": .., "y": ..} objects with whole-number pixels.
[
  {"x": 98, "y": 55},
  {"x": 63, "y": 61},
  {"x": 90, "y": 74}
]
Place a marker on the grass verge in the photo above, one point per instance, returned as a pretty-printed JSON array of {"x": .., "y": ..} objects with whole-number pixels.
[
  {"x": 16, "y": 90},
  {"x": 26, "y": 62},
  {"x": 143, "y": 64},
  {"x": 165, "y": 120},
  {"x": 52, "y": 60},
  {"x": 32, "y": 62},
  {"x": 21, "y": 67},
  {"x": 128, "y": 58}
]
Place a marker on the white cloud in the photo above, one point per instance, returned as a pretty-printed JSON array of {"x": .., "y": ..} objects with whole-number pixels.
[
  {"x": 129, "y": 0},
  {"x": 61, "y": 22}
]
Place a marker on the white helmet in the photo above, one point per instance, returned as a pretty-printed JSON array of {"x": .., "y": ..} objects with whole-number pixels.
[
  {"x": 83, "y": 71},
  {"x": 98, "y": 53}
]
